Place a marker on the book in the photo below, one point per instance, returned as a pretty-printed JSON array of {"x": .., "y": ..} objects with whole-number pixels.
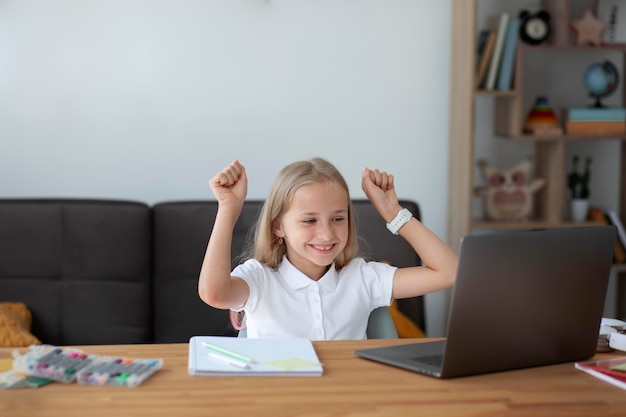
[
  {"x": 505, "y": 76},
  {"x": 595, "y": 128},
  {"x": 485, "y": 57},
  {"x": 612, "y": 13},
  {"x": 599, "y": 215},
  {"x": 240, "y": 356},
  {"x": 612, "y": 370},
  {"x": 596, "y": 114},
  {"x": 494, "y": 64},
  {"x": 481, "y": 42},
  {"x": 617, "y": 222}
]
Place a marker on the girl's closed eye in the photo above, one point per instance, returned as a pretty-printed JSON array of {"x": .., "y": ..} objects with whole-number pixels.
[
  {"x": 339, "y": 219},
  {"x": 309, "y": 221}
]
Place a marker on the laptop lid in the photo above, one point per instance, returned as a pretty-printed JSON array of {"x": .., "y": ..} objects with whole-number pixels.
[{"x": 521, "y": 299}]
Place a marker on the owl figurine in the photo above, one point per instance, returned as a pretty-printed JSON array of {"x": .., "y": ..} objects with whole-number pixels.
[{"x": 509, "y": 193}]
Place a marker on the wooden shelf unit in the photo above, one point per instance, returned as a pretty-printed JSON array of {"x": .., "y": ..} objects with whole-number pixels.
[{"x": 508, "y": 118}]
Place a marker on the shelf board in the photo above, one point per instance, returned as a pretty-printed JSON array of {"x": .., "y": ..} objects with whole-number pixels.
[
  {"x": 561, "y": 137},
  {"x": 575, "y": 48},
  {"x": 496, "y": 93},
  {"x": 619, "y": 267},
  {"x": 538, "y": 138},
  {"x": 479, "y": 224}
]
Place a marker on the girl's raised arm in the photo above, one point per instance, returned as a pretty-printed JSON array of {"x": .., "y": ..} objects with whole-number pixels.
[
  {"x": 215, "y": 285},
  {"x": 439, "y": 260}
]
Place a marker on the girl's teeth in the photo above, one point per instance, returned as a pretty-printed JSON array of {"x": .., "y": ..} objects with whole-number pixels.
[{"x": 324, "y": 247}]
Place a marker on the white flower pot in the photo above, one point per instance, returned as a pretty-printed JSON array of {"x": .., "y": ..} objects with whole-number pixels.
[{"x": 579, "y": 209}]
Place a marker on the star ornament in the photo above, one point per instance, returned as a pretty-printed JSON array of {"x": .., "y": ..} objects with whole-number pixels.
[{"x": 588, "y": 29}]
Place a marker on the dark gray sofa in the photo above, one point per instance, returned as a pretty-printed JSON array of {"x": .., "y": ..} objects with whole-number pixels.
[{"x": 112, "y": 272}]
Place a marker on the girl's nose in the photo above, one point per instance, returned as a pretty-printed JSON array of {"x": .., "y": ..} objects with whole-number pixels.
[{"x": 326, "y": 231}]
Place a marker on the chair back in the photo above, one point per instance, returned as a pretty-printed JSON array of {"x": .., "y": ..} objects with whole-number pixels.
[{"x": 379, "y": 326}]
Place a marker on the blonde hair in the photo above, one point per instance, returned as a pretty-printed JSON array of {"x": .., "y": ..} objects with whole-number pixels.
[{"x": 268, "y": 248}]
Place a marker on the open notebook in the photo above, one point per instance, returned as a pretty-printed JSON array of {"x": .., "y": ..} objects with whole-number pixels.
[{"x": 235, "y": 356}]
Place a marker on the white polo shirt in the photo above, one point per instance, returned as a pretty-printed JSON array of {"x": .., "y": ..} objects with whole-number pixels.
[{"x": 284, "y": 302}]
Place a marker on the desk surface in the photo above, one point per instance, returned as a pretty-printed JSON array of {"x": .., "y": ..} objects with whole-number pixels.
[{"x": 350, "y": 386}]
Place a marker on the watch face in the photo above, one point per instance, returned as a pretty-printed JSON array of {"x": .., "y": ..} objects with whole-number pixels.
[{"x": 536, "y": 28}]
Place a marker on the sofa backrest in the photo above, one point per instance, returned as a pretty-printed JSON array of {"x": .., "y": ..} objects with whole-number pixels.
[
  {"x": 81, "y": 266},
  {"x": 113, "y": 272},
  {"x": 181, "y": 232}
]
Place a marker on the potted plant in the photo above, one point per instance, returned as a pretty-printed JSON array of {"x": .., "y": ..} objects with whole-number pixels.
[{"x": 578, "y": 184}]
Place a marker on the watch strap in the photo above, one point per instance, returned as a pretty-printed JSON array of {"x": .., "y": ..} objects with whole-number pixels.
[{"x": 400, "y": 220}]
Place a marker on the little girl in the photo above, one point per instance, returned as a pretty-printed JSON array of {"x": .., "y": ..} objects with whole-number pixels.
[{"x": 303, "y": 277}]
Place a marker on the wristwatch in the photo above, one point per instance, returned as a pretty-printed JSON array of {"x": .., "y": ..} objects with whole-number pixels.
[{"x": 401, "y": 219}]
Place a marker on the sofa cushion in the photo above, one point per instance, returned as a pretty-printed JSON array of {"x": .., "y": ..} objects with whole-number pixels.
[
  {"x": 82, "y": 267},
  {"x": 181, "y": 234}
]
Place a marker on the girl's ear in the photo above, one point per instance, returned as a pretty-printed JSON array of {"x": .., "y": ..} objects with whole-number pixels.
[{"x": 277, "y": 228}]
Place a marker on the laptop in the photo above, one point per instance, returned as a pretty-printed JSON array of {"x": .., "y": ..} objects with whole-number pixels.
[{"x": 521, "y": 299}]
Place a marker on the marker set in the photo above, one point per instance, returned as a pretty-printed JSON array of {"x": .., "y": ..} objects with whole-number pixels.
[
  {"x": 54, "y": 363},
  {"x": 121, "y": 372},
  {"x": 69, "y": 365}
]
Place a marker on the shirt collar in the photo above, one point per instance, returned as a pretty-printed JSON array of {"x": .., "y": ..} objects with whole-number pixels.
[{"x": 296, "y": 279}]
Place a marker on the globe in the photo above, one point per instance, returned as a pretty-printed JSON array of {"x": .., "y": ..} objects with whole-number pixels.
[{"x": 601, "y": 79}]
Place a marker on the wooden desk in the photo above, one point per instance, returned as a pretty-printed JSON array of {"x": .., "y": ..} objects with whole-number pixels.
[{"x": 350, "y": 386}]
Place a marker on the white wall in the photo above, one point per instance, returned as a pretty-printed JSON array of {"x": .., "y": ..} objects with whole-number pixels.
[{"x": 147, "y": 99}]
